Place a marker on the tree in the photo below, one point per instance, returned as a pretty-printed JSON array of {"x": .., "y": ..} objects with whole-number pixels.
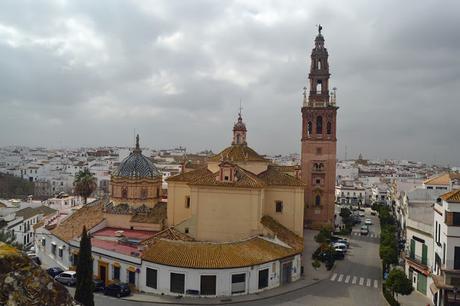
[
  {"x": 85, "y": 184},
  {"x": 85, "y": 285},
  {"x": 398, "y": 283},
  {"x": 324, "y": 235}
]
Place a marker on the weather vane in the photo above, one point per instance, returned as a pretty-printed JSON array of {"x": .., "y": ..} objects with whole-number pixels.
[
  {"x": 319, "y": 28},
  {"x": 240, "y": 108}
]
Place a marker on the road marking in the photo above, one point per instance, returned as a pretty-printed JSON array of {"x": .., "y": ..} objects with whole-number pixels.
[
  {"x": 347, "y": 279},
  {"x": 368, "y": 284},
  {"x": 354, "y": 280},
  {"x": 361, "y": 281},
  {"x": 340, "y": 278},
  {"x": 376, "y": 283},
  {"x": 333, "y": 277}
]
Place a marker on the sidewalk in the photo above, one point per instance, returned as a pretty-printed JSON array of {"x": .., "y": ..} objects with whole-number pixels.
[
  {"x": 310, "y": 277},
  {"x": 414, "y": 299}
]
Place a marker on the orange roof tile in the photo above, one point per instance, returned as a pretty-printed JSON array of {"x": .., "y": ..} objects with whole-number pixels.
[
  {"x": 283, "y": 233},
  {"x": 244, "y": 178},
  {"x": 452, "y": 196},
  {"x": 272, "y": 176},
  {"x": 442, "y": 179},
  {"x": 237, "y": 153},
  {"x": 189, "y": 176},
  {"x": 89, "y": 215},
  {"x": 207, "y": 255}
]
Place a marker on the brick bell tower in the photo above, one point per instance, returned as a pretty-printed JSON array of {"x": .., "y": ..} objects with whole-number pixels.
[{"x": 318, "y": 153}]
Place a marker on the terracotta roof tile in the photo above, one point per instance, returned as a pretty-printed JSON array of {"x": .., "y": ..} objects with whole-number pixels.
[
  {"x": 283, "y": 233},
  {"x": 89, "y": 215},
  {"x": 452, "y": 196},
  {"x": 189, "y": 176},
  {"x": 206, "y": 255},
  {"x": 442, "y": 179},
  {"x": 237, "y": 153},
  {"x": 170, "y": 233},
  {"x": 156, "y": 215},
  {"x": 245, "y": 179},
  {"x": 272, "y": 176}
]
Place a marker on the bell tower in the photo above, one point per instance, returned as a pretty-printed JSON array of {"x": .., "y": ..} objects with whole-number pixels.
[{"x": 318, "y": 152}]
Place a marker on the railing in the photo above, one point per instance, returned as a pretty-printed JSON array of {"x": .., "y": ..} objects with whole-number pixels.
[{"x": 419, "y": 259}]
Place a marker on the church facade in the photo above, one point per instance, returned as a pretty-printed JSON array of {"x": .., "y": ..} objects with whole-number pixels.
[{"x": 319, "y": 141}]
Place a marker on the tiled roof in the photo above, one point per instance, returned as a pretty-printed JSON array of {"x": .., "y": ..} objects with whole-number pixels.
[
  {"x": 136, "y": 165},
  {"x": 207, "y": 255},
  {"x": 283, "y": 233},
  {"x": 244, "y": 178},
  {"x": 155, "y": 215},
  {"x": 29, "y": 212},
  {"x": 169, "y": 233},
  {"x": 272, "y": 176},
  {"x": 452, "y": 196},
  {"x": 189, "y": 176},
  {"x": 237, "y": 153},
  {"x": 442, "y": 179},
  {"x": 89, "y": 215}
]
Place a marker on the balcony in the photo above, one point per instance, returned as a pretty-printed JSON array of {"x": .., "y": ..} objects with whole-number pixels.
[{"x": 418, "y": 262}]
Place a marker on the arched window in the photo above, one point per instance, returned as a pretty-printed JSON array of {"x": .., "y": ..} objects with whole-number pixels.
[
  {"x": 309, "y": 128},
  {"x": 319, "y": 64},
  {"x": 144, "y": 193},
  {"x": 329, "y": 128},
  {"x": 318, "y": 200},
  {"x": 319, "y": 125},
  {"x": 319, "y": 86},
  {"x": 124, "y": 193}
]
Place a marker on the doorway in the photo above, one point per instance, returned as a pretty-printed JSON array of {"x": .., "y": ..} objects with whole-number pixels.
[
  {"x": 286, "y": 269},
  {"x": 103, "y": 272}
]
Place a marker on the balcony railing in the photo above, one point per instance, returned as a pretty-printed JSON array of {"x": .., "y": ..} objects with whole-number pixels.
[{"x": 419, "y": 260}]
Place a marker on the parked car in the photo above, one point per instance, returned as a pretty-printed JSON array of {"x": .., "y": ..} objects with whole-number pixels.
[
  {"x": 117, "y": 289},
  {"x": 68, "y": 278},
  {"x": 340, "y": 247},
  {"x": 364, "y": 230},
  {"x": 339, "y": 254},
  {"x": 368, "y": 222},
  {"x": 361, "y": 214},
  {"x": 98, "y": 285},
  {"x": 54, "y": 271},
  {"x": 344, "y": 241}
]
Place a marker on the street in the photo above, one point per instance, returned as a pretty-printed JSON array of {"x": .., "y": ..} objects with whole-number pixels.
[{"x": 356, "y": 280}]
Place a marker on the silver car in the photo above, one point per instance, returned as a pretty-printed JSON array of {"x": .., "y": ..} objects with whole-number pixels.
[{"x": 68, "y": 278}]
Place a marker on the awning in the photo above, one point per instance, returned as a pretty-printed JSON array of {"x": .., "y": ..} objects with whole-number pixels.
[
  {"x": 131, "y": 269},
  {"x": 433, "y": 289},
  {"x": 438, "y": 281},
  {"x": 116, "y": 264}
]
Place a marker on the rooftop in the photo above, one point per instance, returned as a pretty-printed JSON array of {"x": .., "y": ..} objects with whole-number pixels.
[
  {"x": 236, "y": 153},
  {"x": 128, "y": 233},
  {"x": 452, "y": 196}
]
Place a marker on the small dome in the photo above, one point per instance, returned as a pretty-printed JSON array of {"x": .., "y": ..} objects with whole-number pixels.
[{"x": 137, "y": 165}]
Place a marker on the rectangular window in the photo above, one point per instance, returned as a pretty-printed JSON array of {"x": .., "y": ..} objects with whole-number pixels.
[
  {"x": 456, "y": 219},
  {"x": 263, "y": 279},
  {"x": 187, "y": 202},
  {"x": 444, "y": 253},
  {"x": 43, "y": 242},
  {"x": 457, "y": 258},
  {"x": 131, "y": 277},
  {"x": 151, "y": 280},
  {"x": 279, "y": 206},
  {"x": 177, "y": 283},
  {"x": 116, "y": 273},
  {"x": 75, "y": 259},
  {"x": 238, "y": 283},
  {"x": 208, "y": 285},
  {"x": 53, "y": 248},
  {"x": 60, "y": 252}
]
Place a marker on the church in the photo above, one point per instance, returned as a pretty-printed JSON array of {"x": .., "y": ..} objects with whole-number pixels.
[{"x": 234, "y": 226}]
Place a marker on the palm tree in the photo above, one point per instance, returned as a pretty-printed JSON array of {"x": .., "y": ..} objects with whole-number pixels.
[{"x": 85, "y": 184}]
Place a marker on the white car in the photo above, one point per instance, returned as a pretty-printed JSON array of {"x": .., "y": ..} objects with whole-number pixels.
[
  {"x": 368, "y": 222},
  {"x": 361, "y": 214},
  {"x": 68, "y": 278},
  {"x": 342, "y": 247}
]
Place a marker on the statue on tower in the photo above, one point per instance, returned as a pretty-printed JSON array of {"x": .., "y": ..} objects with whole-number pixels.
[{"x": 319, "y": 29}]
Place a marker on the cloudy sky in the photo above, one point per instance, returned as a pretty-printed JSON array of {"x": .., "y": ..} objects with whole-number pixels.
[{"x": 87, "y": 73}]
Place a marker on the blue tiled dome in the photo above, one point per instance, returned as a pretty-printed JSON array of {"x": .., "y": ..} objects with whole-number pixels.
[{"x": 137, "y": 165}]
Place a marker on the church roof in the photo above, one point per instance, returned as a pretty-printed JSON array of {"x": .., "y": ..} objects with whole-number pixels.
[
  {"x": 244, "y": 179},
  {"x": 272, "y": 176},
  {"x": 238, "y": 153},
  {"x": 137, "y": 165},
  {"x": 169, "y": 248},
  {"x": 189, "y": 176},
  {"x": 442, "y": 179}
]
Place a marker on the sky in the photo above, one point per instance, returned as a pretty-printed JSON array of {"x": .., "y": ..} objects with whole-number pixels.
[{"x": 90, "y": 73}]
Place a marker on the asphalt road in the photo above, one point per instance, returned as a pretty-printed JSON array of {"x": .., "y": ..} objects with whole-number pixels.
[{"x": 355, "y": 281}]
